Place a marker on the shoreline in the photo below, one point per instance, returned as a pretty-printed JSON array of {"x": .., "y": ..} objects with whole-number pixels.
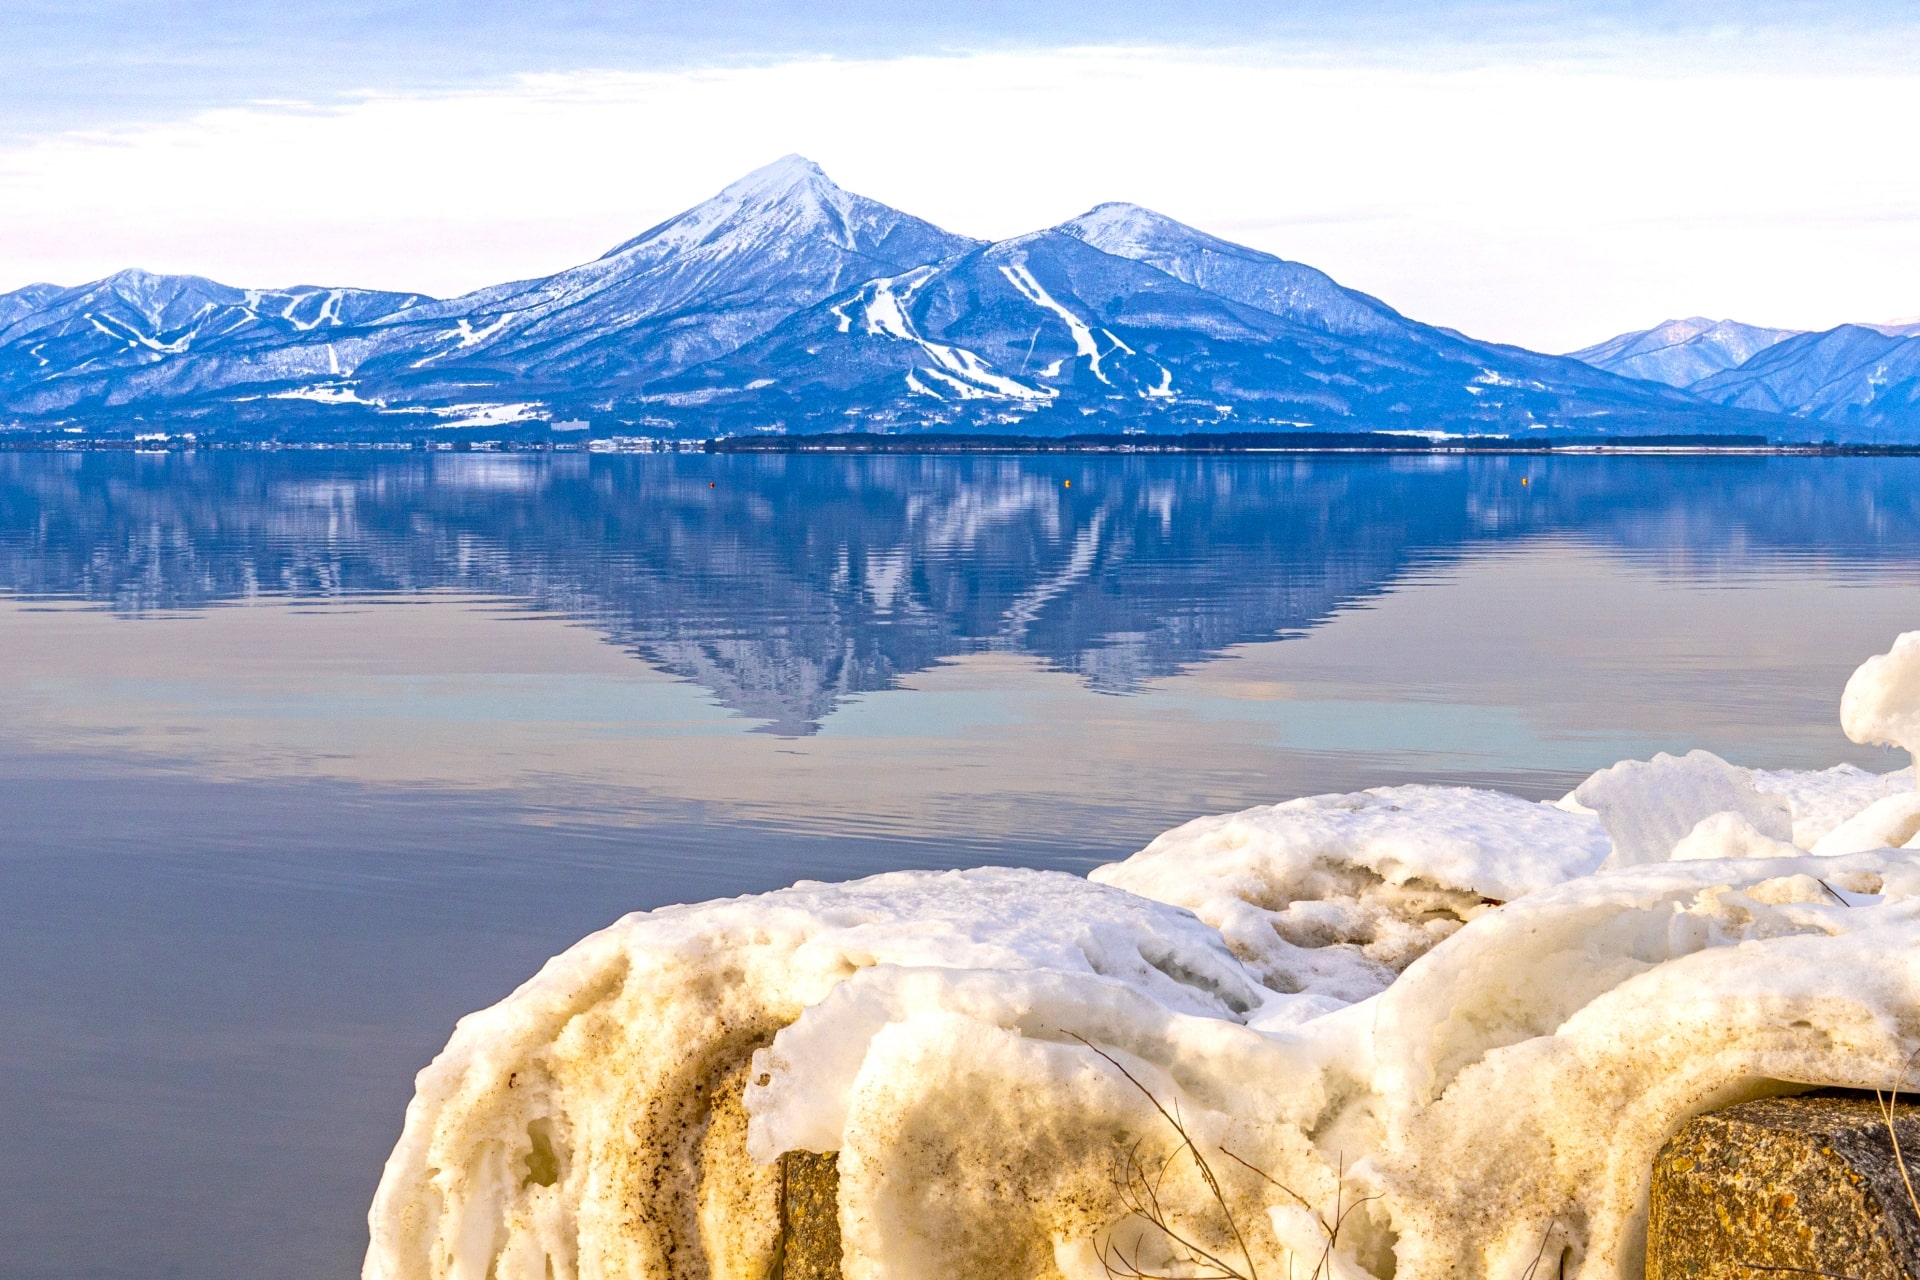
[{"x": 956, "y": 444}]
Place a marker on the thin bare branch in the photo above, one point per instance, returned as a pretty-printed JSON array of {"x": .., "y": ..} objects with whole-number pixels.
[
  {"x": 1801, "y": 1271},
  {"x": 1886, "y": 1111},
  {"x": 1139, "y": 1182},
  {"x": 1541, "y": 1252},
  {"x": 1832, "y": 892},
  {"x": 1258, "y": 1171},
  {"x": 1158, "y": 1219}
]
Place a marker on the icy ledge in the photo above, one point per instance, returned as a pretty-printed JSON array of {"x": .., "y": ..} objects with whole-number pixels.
[{"x": 1484, "y": 1013}]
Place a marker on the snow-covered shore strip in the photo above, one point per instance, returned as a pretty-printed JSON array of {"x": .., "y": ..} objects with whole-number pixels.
[{"x": 1485, "y": 1013}]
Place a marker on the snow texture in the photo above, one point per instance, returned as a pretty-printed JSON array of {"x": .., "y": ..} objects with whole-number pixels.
[
  {"x": 1881, "y": 703},
  {"x": 1332, "y": 896},
  {"x": 1433, "y": 997},
  {"x": 1648, "y": 806}
]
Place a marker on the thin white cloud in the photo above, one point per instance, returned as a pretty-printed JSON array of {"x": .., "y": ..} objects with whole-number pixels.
[{"x": 1549, "y": 203}]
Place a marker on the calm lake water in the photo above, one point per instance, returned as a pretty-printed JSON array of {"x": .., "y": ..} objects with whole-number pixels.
[{"x": 303, "y": 755}]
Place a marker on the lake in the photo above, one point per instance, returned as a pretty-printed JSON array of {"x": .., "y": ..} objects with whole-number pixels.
[{"x": 305, "y": 754}]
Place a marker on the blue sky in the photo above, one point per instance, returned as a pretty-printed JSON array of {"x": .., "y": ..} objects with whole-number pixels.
[{"x": 1539, "y": 173}]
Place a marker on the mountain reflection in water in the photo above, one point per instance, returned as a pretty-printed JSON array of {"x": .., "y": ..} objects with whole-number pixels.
[{"x": 785, "y": 583}]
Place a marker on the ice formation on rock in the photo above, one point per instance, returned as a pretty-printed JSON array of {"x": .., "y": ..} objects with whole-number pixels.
[
  {"x": 1431, "y": 1002},
  {"x": 561, "y": 1127}
]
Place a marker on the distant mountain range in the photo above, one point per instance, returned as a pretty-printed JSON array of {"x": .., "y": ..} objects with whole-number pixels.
[
  {"x": 786, "y": 304},
  {"x": 1856, "y": 381},
  {"x": 1682, "y": 352}
]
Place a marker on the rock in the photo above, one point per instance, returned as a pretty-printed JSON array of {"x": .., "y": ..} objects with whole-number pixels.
[
  {"x": 1807, "y": 1185},
  {"x": 809, "y": 1217}
]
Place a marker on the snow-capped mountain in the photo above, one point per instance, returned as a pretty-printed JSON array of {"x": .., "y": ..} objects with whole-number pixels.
[
  {"x": 1858, "y": 381},
  {"x": 787, "y": 303},
  {"x": 1680, "y": 353},
  {"x": 136, "y": 335},
  {"x": 1047, "y": 332},
  {"x": 696, "y": 286},
  {"x": 1007, "y": 329},
  {"x": 1311, "y": 298}
]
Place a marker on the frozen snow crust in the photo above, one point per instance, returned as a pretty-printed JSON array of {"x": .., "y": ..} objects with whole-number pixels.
[{"x": 1434, "y": 997}]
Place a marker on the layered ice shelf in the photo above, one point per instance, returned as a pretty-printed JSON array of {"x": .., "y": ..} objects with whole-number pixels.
[{"x": 1475, "y": 1017}]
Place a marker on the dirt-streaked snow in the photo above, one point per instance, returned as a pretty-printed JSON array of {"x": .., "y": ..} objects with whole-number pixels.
[{"x": 1435, "y": 997}]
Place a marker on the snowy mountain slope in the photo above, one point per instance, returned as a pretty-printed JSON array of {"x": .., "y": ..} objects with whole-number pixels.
[
  {"x": 1909, "y": 328},
  {"x": 1682, "y": 352},
  {"x": 696, "y": 286},
  {"x": 135, "y": 333},
  {"x": 1312, "y": 298},
  {"x": 1006, "y": 325},
  {"x": 1852, "y": 377},
  {"x": 1046, "y": 331},
  {"x": 1290, "y": 290},
  {"x": 25, "y": 301}
]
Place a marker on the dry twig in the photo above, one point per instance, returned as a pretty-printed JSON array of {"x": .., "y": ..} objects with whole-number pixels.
[{"x": 1140, "y": 1181}]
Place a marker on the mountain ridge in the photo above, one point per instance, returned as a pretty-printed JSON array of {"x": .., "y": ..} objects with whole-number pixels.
[
  {"x": 1855, "y": 381},
  {"x": 1680, "y": 353},
  {"x": 1852, "y": 378},
  {"x": 787, "y": 303}
]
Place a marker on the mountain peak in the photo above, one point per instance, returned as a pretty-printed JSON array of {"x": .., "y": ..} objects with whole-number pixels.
[
  {"x": 151, "y": 292},
  {"x": 1691, "y": 327},
  {"x": 1680, "y": 353},
  {"x": 1245, "y": 275},
  {"x": 138, "y": 280},
  {"x": 793, "y": 191},
  {"x": 1129, "y": 230},
  {"x": 787, "y": 174}
]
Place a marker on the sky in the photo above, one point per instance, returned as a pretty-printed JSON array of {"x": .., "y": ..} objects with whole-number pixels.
[{"x": 1543, "y": 174}]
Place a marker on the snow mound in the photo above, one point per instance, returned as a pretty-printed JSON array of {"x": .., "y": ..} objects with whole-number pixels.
[
  {"x": 1434, "y": 1004},
  {"x": 1648, "y": 806},
  {"x": 1823, "y": 799},
  {"x": 1332, "y": 896},
  {"x": 1889, "y": 821},
  {"x": 1728, "y": 834},
  {"x": 1881, "y": 703}
]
